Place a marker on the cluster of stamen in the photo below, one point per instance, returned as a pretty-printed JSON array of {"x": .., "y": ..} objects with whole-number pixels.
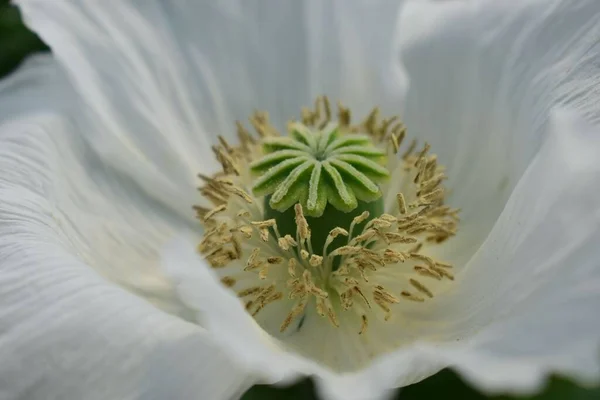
[{"x": 264, "y": 266}]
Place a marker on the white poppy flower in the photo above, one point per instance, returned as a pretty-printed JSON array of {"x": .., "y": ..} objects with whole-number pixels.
[{"x": 96, "y": 192}]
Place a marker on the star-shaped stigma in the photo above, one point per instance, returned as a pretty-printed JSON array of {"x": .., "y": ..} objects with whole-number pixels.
[{"x": 315, "y": 167}]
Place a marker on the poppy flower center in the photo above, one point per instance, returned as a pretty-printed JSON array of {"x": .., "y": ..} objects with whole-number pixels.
[{"x": 330, "y": 218}]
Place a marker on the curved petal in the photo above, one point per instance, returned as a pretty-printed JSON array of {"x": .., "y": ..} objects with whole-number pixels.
[
  {"x": 160, "y": 82},
  {"x": 111, "y": 224},
  {"x": 533, "y": 289},
  {"x": 483, "y": 77},
  {"x": 525, "y": 306},
  {"x": 66, "y": 332}
]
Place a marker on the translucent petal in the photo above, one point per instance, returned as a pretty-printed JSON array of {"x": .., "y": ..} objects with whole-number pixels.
[
  {"x": 66, "y": 331},
  {"x": 159, "y": 82},
  {"x": 483, "y": 77}
]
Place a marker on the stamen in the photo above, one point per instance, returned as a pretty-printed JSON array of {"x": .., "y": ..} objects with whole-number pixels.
[
  {"x": 423, "y": 271},
  {"x": 215, "y": 211},
  {"x": 315, "y": 260},
  {"x": 364, "y": 324},
  {"x": 264, "y": 224},
  {"x": 286, "y": 242},
  {"x": 228, "y": 281},
  {"x": 296, "y": 311},
  {"x": 412, "y": 297},
  {"x": 264, "y": 235},
  {"x": 302, "y": 225},
  {"x": 356, "y": 221},
  {"x": 420, "y": 287},
  {"x": 249, "y": 291},
  {"x": 292, "y": 263},
  {"x": 442, "y": 272},
  {"x": 252, "y": 260}
]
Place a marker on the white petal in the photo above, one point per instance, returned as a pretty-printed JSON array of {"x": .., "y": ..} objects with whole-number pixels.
[
  {"x": 483, "y": 77},
  {"x": 66, "y": 332},
  {"x": 533, "y": 289},
  {"x": 161, "y": 81},
  {"x": 103, "y": 216}
]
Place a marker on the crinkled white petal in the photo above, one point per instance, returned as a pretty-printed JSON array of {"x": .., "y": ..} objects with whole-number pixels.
[
  {"x": 159, "y": 81},
  {"x": 66, "y": 331},
  {"x": 532, "y": 291},
  {"x": 103, "y": 216},
  {"x": 483, "y": 77},
  {"x": 523, "y": 307}
]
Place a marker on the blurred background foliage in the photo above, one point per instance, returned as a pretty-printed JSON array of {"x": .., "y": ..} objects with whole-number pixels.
[{"x": 16, "y": 43}]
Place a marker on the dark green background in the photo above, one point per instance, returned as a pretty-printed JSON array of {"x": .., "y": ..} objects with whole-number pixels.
[{"x": 16, "y": 42}]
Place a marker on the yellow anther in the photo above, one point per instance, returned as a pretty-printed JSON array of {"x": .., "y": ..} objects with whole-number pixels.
[
  {"x": 435, "y": 195},
  {"x": 315, "y": 260},
  {"x": 360, "y": 218},
  {"x": 409, "y": 296},
  {"x": 262, "y": 274},
  {"x": 427, "y": 260},
  {"x": 335, "y": 232},
  {"x": 292, "y": 264},
  {"x": 398, "y": 238},
  {"x": 240, "y": 193},
  {"x": 252, "y": 260},
  {"x": 296, "y": 311},
  {"x": 401, "y": 203},
  {"x": 243, "y": 213},
  {"x": 346, "y": 250},
  {"x": 301, "y": 223},
  {"x": 442, "y": 272},
  {"x": 215, "y": 211},
  {"x": 420, "y": 287},
  {"x": 365, "y": 236},
  {"x": 246, "y": 231},
  {"x": 364, "y": 324},
  {"x": 264, "y": 224},
  {"x": 264, "y": 234},
  {"x": 357, "y": 290},
  {"x": 331, "y": 314},
  {"x": 424, "y": 271},
  {"x": 228, "y": 281},
  {"x": 249, "y": 291}
]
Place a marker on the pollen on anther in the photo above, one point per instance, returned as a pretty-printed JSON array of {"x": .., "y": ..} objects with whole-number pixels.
[
  {"x": 420, "y": 287},
  {"x": 215, "y": 211},
  {"x": 315, "y": 260},
  {"x": 364, "y": 324},
  {"x": 228, "y": 281}
]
